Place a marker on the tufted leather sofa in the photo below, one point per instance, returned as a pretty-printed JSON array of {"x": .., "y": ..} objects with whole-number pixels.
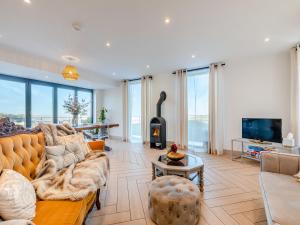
[{"x": 22, "y": 153}]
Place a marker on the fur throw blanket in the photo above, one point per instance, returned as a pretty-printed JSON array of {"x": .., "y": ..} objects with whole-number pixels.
[
  {"x": 52, "y": 131},
  {"x": 74, "y": 182}
]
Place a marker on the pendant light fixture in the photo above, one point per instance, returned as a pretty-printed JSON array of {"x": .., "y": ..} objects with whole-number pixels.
[{"x": 70, "y": 73}]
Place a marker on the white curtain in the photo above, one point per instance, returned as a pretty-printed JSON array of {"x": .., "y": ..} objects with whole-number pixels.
[
  {"x": 295, "y": 93},
  {"x": 181, "y": 111},
  {"x": 216, "y": 109},
  {"x": 125, "y": 110},
  {"x": 146, "y": 107}
]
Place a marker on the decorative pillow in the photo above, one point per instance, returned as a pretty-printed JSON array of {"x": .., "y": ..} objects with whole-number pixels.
[
  {"x": 65, "y": 155},
  {"x": 17, "y": 196},
  {"x": 64, "y": 140},
  {"x": 17, "y": 222}
]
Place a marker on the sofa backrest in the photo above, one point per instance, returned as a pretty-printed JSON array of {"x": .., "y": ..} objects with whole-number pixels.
[
  {"x": 22, "y": 153},
  {"x": 283, "y": 163}
]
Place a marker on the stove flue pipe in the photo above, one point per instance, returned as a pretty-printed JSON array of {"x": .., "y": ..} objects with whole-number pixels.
[{"x": 162, "y": 98}]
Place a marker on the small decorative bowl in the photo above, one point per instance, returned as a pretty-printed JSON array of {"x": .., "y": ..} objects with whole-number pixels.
[{"x": 175, "y": 156}]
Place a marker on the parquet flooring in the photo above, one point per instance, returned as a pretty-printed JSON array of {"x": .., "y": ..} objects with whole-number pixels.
[{"x": 231, "y": 197}]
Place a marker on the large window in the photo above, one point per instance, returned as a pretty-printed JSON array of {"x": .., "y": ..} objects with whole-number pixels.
[
  {"x": 28, "y": 102},
  {"x": 86, "y": 97},
  {"x": 198, "y": 100},
  {"x": 63, "y": 95},
  {"x": 12, "y": 101},
  {"x": 134, "y": 111},
  {"x": 41, "y": 104}
]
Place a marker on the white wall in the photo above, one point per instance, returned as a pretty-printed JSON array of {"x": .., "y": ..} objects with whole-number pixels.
[
  {"x": 165, "y": 82},
  {"x": 256, "y": 87},
  {"x": 112, "y": 100}
]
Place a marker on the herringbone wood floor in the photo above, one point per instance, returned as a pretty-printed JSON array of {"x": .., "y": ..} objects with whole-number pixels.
[{"x": 231, "y": 196}]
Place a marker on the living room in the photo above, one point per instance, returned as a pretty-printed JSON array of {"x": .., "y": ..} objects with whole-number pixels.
[{"x": 149, "y": 112}]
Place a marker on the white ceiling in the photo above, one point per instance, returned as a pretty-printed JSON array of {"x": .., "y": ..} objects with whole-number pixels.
[{"x": 213, "y": 30}]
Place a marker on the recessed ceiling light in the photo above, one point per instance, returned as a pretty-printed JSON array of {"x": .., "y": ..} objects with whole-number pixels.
[
  {"x": 76, "y": 26},
  {"x": 27, "y": 1},
  {"x": 70, "y": 58},
  {"x": 107, "y": 44},
  {"x": 114, "y": 74},
  {"x": 1, "y": 36},
  {"x": 267, "y": 39},
  {"x": 46, "y": 76},
  {"x": 193, "y": 56},
  {"x": 167, "y": 20},
  {"x": 148, "y": 66}
]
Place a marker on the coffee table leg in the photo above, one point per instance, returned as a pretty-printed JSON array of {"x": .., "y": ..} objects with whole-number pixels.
[
  {"x": 201, "y": 179},
  {"x": 153, "y": 172}
]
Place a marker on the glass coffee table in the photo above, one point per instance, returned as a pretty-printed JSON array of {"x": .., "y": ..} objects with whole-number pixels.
[{"x": 190, "y": 167}]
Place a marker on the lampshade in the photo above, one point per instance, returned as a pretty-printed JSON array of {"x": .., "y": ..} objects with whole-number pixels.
[{"x": 70, "y": 73}]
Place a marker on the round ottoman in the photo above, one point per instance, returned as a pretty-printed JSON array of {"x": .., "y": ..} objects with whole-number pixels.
[{"x": 174, "y": 200}]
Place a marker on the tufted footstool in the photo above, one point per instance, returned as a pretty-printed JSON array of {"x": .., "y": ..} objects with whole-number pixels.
[{"x": 174, "y": 200}]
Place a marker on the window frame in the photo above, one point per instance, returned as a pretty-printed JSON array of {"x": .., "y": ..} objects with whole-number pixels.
[{"x": 28, "y": 82}]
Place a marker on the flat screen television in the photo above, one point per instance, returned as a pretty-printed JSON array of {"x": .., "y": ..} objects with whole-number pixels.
[{"x": 262, "y": 129}]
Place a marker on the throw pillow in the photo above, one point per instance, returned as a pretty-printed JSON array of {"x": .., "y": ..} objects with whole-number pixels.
[
  {"x": 17, "y": 222},
  {"x": 64, "y": 140},
  {"x": 17, "y": 196},
  {"x": 65, "y": 155}
]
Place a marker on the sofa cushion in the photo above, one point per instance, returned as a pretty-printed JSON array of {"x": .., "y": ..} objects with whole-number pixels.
[
  {"x": 64, "y": 140},
  {"x": 65, "y": 155},
  {"x": 17, "y": 196},
  {"x": 282, "y": 197},
  {"x": 63, "y": 212}
]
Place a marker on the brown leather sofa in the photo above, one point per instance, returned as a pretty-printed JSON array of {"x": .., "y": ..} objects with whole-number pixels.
[
  {"x": 22, "y": 153},
  {"x": 280, "y": 190}
]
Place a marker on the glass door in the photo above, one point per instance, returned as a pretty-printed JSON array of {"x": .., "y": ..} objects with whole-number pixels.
[
  {"x": 198, "y": 104},
  {"x": 134, "y": 111}
]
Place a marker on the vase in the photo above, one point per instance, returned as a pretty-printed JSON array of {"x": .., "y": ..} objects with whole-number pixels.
[{"x": 75, "y": 120}]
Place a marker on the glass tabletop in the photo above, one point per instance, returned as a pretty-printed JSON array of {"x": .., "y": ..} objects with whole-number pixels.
[{"x": 188, "y": 160}]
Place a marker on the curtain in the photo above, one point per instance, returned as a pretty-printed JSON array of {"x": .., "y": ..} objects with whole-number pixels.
[
  {"x": 216, "y": 101},
  {"x": 125, "y": 110},
  {"x": 181, "y": 111},
  {"x": 146, "y": 107},
  {"x": 295, "y": 93}
]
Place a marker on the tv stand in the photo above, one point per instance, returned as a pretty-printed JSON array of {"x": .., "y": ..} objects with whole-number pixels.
[
  {"x": 260, "y": 142},
  {"x": 267, "y": 146}
]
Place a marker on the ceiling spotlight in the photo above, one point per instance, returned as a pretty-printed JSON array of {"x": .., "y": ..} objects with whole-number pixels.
[
  {"x": 70, "y": 58},
  {"x": 114, "y": 74},
  {"x": 27, "y": 1},
  {"x": 193, "y": 56},
  {"x": 76, "y": 26},
  {"x": 148, "y": 66},
  {"x": 267, "y": 39},
  {"x": 167, "y": 20},
  {"x": 107, "y": 44}
]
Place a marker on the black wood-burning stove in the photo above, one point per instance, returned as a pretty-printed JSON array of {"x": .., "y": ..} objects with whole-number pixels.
[{"x": 158, "y": 134}]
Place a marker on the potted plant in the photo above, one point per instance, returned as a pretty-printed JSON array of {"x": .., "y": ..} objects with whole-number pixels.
[
  {"x": 102, "y": 115},
  {"x": 102, "y": 119},
  {"x": 75, "y": 108}
]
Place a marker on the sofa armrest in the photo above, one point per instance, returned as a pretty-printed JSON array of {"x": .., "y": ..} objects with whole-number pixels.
[
  {"x": 283, "y": 163},
  {"x": 97, "y": 145}
]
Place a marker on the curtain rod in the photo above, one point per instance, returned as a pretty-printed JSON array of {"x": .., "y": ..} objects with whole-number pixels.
[
  {"x": 199, "y": 68},
  {"x": 135, "y": 79}
]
